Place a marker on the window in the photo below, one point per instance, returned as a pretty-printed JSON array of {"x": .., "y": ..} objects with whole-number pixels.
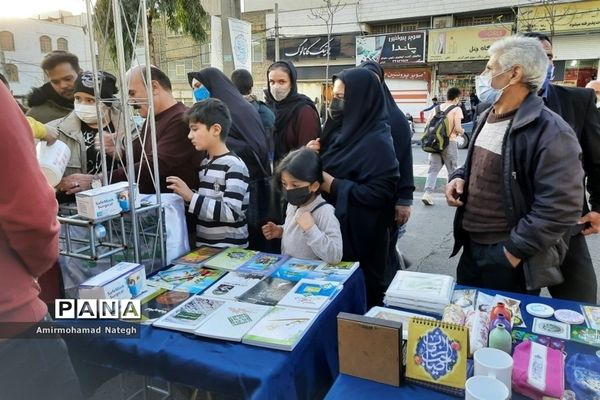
[
  {"x": 12, "y": 72},
  {"x": 257, "y": 48},
  {"x": 62, "y": 44},
  {"x": 179, "y": 69},
  {"x": 205, "y": 53},
  {"x": 409, "y": 27},
  {"x": 45, "y": 44},
  {"x": 7, "y": 41}
]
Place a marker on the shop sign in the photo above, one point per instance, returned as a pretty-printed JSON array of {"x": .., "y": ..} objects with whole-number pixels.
[
  {"x": 313, "y": 47},
  {"x": 392, "y": 49},
  {"x": 560, "y": 17},
  {"x": 408, "y": 74},
  {"x": 468, "y": 43}
]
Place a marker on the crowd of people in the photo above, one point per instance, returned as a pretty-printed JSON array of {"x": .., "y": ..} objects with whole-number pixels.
[{"x": 267, "y": 175}]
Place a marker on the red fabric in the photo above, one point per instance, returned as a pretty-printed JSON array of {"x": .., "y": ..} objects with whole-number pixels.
[
  {"x": 28, "y": 226},
  {"x": 305, "y": 128},
  {"x": 50, "y": 285}
]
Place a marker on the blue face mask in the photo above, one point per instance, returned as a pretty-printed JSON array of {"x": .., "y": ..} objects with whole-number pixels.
[
  {"x": 485, "y": 92},
  {"x": 549, "y": 77},
  {"x": 201, "y": 93}
]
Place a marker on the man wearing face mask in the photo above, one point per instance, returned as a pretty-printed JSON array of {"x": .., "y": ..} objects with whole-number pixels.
[
  {"x": 578, "y": 107},
  {"x": 79, "y": 130},
  {"x": 519, "y": 192}
]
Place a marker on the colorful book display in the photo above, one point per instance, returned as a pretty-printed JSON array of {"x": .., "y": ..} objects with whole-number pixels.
[
  {"x": 267, "y": 292},
  {"x": 263, "y": 263},
  {"x": 159, "y": 302},
  {"x": 190, "y": 315},
  {"x": 230, "y": 259},
  {"x": 198, "y": 256},
  {"x": 282, "y": 328},
  {"x": 232, "y": 321},
  {"x": 437, "y": 354},
  {"x": 311, "y": 294},
  {"x": 295, "y": 269},
  {"x": 203, "y": 280},
  {"x": 232, "y": 285}
]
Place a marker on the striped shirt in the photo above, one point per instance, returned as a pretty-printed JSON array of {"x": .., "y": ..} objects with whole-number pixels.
[{"x": 221, "y": 201}]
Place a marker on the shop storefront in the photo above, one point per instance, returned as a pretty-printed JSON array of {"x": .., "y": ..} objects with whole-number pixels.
[
  {"x": 576, "y": 59},
  {"x": 461, "y": 54},
  {"x": 309, "y": 55},
  {"x": 402, "y": 55}
]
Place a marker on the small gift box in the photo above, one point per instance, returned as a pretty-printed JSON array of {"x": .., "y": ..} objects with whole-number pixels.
[{"x": 538, "y": 371}]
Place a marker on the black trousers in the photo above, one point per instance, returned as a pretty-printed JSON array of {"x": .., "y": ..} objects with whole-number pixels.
[
  {"x": 487, "y": 267},
  {"x": 578, "y": 270}
]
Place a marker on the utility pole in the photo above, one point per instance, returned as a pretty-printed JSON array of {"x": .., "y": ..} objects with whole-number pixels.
[{"x": 276, "y": 31}]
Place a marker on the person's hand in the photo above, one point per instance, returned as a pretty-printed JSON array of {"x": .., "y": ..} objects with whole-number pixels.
[
  {"x": 51, "y": 135},
  {"x": 314, "y": 145},
  {"x": 180, "y": 187},
  {"x": 327, "y": 181},
  {"x": 272, "y": 231},
  {"x": 592, "y": 223},
  {"x": 75, "y": 183},
  {"x": 402, "y": 214},
  {"x": 305, "y": 220},
  {"x": 454, "y": 189},
  {"x": 514, "y": 261},
  {"x": 110, "y": 143}
]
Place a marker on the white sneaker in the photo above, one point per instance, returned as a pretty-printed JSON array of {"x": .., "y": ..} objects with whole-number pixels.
[{"x": 427, "y": 199}]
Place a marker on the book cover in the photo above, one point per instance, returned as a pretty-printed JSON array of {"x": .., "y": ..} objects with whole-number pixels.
[
  {"x": 343, "y": 268},
  {"x": 189, "y": 315},
  {"x": 267, "y": 292},
  {"x": 327, "y": 276},
  {"x": 434, "y": 288},
  {"x": 437, "y": 352},
  {"x": 584, "y": 335},
  {"x": 159, "y": 303},
  {"x": 172, "y": 276},
  {"x": 592, "y": 316},
  {"x": 263, "y": 263},
  {"x": 232, "y": 285},
  {"x": 282, "y": 328},
  {"x": 389, "y": 314},
  {"x": 310, "y": 294},
  {"x": 295, "y": 269},
  {"x": 198, "y": 256},
  {"x": 232, "y": 321},
  {"x": 230, "y": 259},
  {"x": 202, "y": 281}
]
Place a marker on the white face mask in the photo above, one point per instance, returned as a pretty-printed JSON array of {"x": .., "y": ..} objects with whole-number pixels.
[
  {"x": 280, "y": 93},
  {"x": 87, "y": 113}
]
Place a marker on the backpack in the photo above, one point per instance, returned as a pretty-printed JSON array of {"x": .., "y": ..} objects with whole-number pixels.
[{"x": 437, "y": 131}]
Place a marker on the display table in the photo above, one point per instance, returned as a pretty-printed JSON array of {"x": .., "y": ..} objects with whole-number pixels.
[
  {"x": 349, "y": 387},
  {"x": 231, "y": 369}
]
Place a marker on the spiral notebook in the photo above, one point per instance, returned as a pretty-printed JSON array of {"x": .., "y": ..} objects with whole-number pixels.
[{"x": 436, "y": 355}]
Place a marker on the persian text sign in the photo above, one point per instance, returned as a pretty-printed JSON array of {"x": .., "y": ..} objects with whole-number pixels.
[
  {"x": 560, "y": 17},
  {"x": 468, "y": 43},
  {"x": 396, "y": 48}
]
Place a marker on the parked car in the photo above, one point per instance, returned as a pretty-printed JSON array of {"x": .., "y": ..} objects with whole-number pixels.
[{"x": 464, "y": 139}]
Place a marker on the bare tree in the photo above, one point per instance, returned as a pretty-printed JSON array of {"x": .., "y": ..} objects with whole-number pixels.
[
  {"x": 544, "y": 17},
  {"x": 327, "y": 14}
]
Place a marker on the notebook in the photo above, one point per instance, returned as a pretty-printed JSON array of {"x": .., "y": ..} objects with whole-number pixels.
[{"x": 437, "y": 354}]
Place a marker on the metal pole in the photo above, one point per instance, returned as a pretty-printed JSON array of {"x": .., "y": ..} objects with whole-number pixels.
[
  {"x": 276, "y": 31},
  {"x": 151, "y": 122},
  {"x": 124, "y": 100}
]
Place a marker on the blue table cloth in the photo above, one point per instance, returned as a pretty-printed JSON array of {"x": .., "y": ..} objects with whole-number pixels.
[
  {"x": 230, "y": 369},
  {"x": 348, "y": 387}
]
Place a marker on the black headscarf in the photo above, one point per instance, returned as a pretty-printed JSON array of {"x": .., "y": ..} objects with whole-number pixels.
[
  {"x": 286, "y": 109},
  {"x": 246, "y": 128},
  {"x": 401, "y": 134}
]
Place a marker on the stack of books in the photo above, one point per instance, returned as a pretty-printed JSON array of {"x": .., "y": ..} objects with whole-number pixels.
[{"x": 419, "y": 291}]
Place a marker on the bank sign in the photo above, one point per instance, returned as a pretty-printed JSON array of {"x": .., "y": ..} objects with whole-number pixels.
[{"x": 392, "y": 49}]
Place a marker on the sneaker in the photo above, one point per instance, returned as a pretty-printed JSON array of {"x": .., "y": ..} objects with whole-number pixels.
[{"x": 427, "y": 199}]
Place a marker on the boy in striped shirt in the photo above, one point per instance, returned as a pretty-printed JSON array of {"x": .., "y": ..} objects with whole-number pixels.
[{"x": 221, "y": 201}]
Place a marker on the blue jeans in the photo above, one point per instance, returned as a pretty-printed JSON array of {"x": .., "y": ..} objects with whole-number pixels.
[{"x": 37, "y": 369}]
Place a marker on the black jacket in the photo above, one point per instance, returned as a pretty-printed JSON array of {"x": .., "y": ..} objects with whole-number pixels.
[
  {"x": 577, "y": 106},
  {"x": 542, "y": 179}
]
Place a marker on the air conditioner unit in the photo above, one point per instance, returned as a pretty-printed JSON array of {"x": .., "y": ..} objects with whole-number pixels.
[{"x": 447, "y": 21}]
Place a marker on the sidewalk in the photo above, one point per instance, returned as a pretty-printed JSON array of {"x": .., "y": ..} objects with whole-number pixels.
[{"x": 420, "y": 176}]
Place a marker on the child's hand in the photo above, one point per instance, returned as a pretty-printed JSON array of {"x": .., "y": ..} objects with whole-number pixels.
[
  {"x": 314, "y": 145},
  {"x": 272, "y": 231},
  {"x": 178, "y": 186},
  {"x": 305, "y": 220}
]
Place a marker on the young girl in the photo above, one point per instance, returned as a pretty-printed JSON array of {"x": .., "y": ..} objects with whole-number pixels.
[{"x": 311, "y": 229}]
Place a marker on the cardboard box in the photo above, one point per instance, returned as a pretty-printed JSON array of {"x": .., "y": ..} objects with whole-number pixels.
[
  {"x": 105, "y": 201},
  {"x": 122, "y": 281},
  {"x": 370, "y": 348}
]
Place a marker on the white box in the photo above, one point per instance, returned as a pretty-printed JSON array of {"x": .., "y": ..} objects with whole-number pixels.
[
  {"x": 103, "y": 201},
  {"x": 122, "y": 281}
]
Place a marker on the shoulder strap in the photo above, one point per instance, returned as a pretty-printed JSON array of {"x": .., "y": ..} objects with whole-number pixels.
[
  {"x": 452, "y": 107},
  {"x": 321, "y": 204}
]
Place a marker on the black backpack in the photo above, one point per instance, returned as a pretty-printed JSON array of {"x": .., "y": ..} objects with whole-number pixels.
[{"x": 437, "y": 131}]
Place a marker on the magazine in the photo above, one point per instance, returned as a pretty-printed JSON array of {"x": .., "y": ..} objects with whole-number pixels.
[{"x": 232, "y": 321}]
